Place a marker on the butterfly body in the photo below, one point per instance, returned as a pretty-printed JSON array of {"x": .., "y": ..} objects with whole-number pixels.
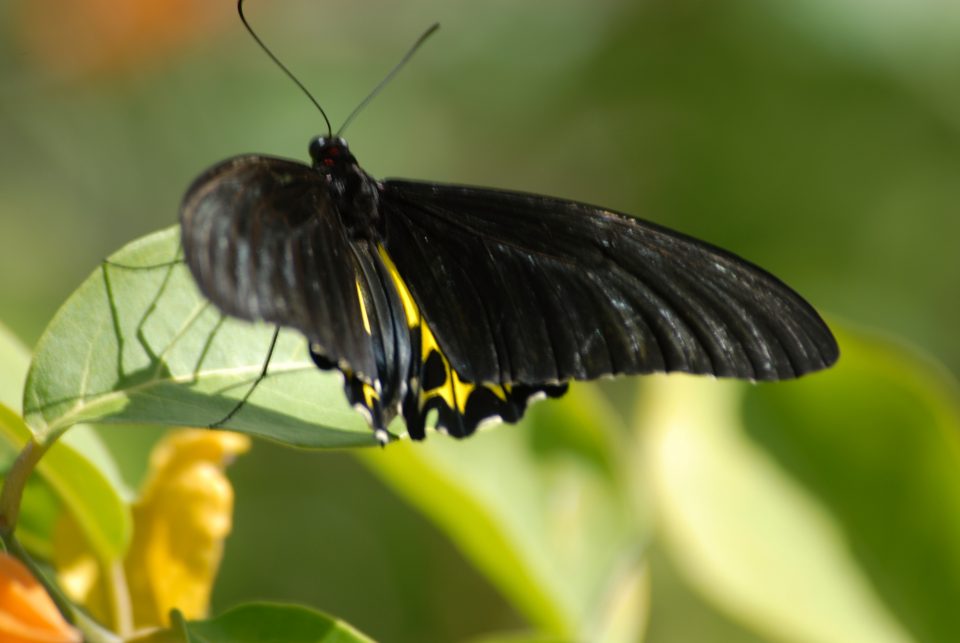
[{"x": 472, "y": 301}]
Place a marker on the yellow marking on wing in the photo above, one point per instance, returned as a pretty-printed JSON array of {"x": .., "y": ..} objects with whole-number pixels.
[
  {"x": 461, "y": 391},
  {"x": 428, "y": 345},
  {"x": 410, "y": 308},
  {"x": 497, "y": 390},
  {"x": 369, "y": 395},
  {"x": 363, "y": 308},
  {"x": 454, "y": 391}
]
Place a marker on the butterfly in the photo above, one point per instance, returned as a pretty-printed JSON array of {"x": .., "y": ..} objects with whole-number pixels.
[
  {"x": 471, "y": 302},
  {"x": 474, "y": 301}
]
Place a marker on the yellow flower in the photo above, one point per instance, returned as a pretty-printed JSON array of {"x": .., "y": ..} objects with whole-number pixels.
[
  {"x": 27, "y": 614},
  {"x": 181, "y": 519}
]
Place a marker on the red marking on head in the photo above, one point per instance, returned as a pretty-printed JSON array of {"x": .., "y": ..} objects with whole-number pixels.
[{"x": 328, "y": 162}]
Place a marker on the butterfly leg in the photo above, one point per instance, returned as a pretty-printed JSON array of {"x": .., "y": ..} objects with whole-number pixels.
[{"x": 263, "y": 374}]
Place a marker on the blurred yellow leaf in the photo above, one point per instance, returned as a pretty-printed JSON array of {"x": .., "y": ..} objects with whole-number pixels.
[
  {"x": 181, "y": 519},
  {"x": 180, "y": 522}
]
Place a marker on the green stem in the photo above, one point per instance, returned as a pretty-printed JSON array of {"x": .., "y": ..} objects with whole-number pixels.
[
  {"x": 10, "y": 499},
  {"x": 118, "y": 596},
  {"x": 13, "y": 486},
  {"x": 93, "y": 632}
]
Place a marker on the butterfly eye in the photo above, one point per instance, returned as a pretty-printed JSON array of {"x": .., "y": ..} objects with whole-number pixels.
[{"x": 319, "y": 151}]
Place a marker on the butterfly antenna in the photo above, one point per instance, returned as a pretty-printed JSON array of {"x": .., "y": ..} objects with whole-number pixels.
[
  {"x": 279, "y": 64},
  {"x": 386, "y": 79}
]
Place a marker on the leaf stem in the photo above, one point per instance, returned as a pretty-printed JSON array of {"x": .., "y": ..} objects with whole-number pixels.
[
  {"x": 10, "y": 499},
  {"x": 14, "y": 485}
]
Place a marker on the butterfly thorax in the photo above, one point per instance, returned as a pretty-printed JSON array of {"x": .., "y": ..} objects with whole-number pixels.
[{"x": 353, "y": 192}]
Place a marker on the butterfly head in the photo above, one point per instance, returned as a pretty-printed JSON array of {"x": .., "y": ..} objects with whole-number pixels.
[{"x": 330, "y": 154}]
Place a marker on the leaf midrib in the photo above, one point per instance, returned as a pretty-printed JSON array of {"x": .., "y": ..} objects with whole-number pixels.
[{"x": 85, "y": 402}]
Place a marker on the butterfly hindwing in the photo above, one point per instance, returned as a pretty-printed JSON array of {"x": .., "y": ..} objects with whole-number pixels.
[
  {"x": 461, "y": 405},
  {"x": 526, "y": 289}
]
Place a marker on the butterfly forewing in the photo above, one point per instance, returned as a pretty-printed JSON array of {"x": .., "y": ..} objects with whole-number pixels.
[
  {"x": 264, "y": 243},
  {"x": 527, "y": 289}
]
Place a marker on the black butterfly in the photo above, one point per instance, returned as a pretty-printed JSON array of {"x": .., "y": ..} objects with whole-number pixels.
[{"x": 473, "y": 301}]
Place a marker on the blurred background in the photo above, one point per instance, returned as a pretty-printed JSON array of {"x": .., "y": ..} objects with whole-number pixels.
[{"x": 819, "y": 139}]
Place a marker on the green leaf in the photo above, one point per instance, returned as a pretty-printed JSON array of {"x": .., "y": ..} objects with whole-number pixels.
[
  {"x": 96, "y": 503},
  {"x": 85, "y": 441},
  {"x": 77, "y": 473},
  {"x": 137, "y": 343},
  {"x": 39, "y": 512},
  {"x": 519, "y": 637},
  {"x": 826, "y": 509},
  {"x": 877, "y": 442},
  {"x": 543, "y": 509},
  {"x": 262, "y": 623}
]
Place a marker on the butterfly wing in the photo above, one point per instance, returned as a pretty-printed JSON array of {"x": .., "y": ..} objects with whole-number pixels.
[
  {"x": 525, "y": 289},
  {"x": 264, "y": 243}
]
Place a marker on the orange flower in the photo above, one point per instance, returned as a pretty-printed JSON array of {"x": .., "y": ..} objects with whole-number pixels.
[
  {"x": 27, "y": 613},
  {"x": 82, "y": 36}
]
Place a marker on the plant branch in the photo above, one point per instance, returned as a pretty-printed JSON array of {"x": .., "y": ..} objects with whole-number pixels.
[{"x": 14, "y": 485}]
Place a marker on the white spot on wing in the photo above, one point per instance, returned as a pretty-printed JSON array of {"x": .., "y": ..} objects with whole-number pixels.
[
  {"x": 536, "y": 397},
  {"x": 489, "y": 423}
]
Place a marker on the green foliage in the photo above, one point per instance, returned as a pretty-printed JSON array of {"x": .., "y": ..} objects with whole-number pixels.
[
  {"x": 876, "y": 442},
  {"x": 82, "y": 487},
  {"x": 161, "y": 354},
  {"x": 839, "y": 493},
  {"x": 556, "y": 527},
  {"x": 265, "y": 622},
  {"x": 76, "y": 474},
  {"x": 261, "y": 623},
  {"x": 746, "y": 533},
  {"x": 766, "y": 497},
  {"x": 818, "y": 139}
]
